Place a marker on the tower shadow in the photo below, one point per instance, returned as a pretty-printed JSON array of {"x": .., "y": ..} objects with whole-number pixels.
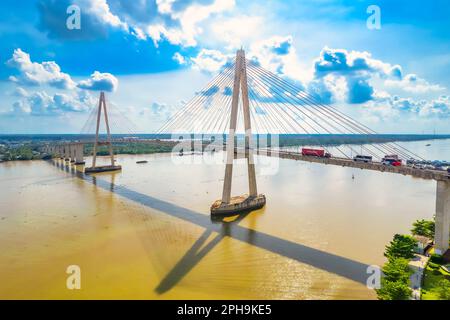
[{"x": 194, "y": 255}]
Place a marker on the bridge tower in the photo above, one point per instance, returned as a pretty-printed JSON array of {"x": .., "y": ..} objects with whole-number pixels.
[
  {"x": 97, "y": 143},
  {"x": 442, "y": 220},
  {"x": 228, "y": 204}
]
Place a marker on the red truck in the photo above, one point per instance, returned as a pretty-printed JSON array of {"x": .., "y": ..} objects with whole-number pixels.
[{"x": 315, "y": 153}]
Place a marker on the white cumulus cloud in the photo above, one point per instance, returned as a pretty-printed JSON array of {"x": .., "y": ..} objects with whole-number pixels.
[
  {"x": 41, "y": 103},
  {"x": 100, "y": 82},
  {"x": 210, "y": 60},
  {"x": 34, "y": 73}
]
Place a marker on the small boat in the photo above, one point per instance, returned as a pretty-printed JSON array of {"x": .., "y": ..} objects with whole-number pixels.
[
  {"x": 427, "y": 145},
  {"x": 102, "y": 169},
  {"x": 142, "y": 161}
]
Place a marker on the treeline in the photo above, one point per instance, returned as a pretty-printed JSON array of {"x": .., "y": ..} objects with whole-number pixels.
[
  {"x": 128, "y": 148},
  {"x": 339, "y": 139},
  {"x": 24, "y": 152}
]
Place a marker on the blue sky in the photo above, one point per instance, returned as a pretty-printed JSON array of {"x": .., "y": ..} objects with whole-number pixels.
[{"x": 152, "y": 56}]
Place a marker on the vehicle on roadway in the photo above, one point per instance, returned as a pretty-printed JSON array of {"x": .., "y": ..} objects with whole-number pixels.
[
  {"x": 391, "y": 160},
  {"x": 315, "y": 153},
  {"x": 391, "y": 156},
  {"x": 362, "y": 158},
  {"x": 418, "y": 166},
  {"x": 394, "y": 163}
]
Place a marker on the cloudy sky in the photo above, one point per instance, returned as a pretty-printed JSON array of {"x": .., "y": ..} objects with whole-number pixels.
[{"x": 151, "y": 56}]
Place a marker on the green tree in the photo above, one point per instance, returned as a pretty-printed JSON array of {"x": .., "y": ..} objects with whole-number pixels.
[
  {"x": 443, "y": 289},
  {"x": 402, "y": 246},
  {"x": 423, "y": 228},
  {"x": 393, "y": 290},
  {"x": 397, "y": 270}
]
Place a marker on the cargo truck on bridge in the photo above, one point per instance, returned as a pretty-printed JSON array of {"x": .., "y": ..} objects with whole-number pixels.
[{"x": 315, "y": 153}]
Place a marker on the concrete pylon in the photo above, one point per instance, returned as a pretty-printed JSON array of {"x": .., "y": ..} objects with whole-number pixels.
[
  {"x": 67, "y": 152},
  {"x": 240, "y": 83},
  {"x": 79, "y": 153},
  {"x": 442, "y": 220},
  {"x": 231, "y": 205},
  {"x": 113, "y": 166},
  {"x": 72, "y": 148}
]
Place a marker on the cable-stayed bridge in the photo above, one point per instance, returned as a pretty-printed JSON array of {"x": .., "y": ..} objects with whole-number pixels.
[{"x": 244, "y": 102}]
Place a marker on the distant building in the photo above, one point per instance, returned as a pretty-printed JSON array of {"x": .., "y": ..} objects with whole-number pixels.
[{"x": 423, "y": 244}]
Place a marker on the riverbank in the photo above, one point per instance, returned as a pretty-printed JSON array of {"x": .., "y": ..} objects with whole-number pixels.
[{"x": 413, "y": 270}]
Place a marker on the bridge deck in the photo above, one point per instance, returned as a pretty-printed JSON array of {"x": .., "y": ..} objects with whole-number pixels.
[
  {"x": 376, "y": 166},
  {"x": 343, "y": 162}
]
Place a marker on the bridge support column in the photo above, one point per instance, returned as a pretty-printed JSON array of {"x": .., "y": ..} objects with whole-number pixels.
[
  {"x": 72, "y": 148},
  {"x": 66, "y": 152},
  {"x": 79, "y": 153},
  {"x": 442, "y": 228}
]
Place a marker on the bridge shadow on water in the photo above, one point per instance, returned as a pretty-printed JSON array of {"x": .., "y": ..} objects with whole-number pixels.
[{"x": 341, "y": 266}]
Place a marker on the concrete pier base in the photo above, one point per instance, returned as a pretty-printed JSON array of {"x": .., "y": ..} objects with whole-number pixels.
[
  {"x": 442, "y": 220},
  {"x": 238, "y": 204}
]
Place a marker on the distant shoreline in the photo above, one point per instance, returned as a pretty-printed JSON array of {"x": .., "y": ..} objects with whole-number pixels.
[
  {"x": 323, "y": 138},
  {"x": 29, "y": 147}
]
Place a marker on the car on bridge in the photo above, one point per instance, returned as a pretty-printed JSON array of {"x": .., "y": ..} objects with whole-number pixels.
[
  {"x": 418, "y": 166},
  {"x": 391, "y": 160},
  {"x": 394, "y": 163},
  {"x": 361, "y": 158}
]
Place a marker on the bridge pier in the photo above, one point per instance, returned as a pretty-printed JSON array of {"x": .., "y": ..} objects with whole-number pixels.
[
  {"x": 66, "y": 152},
  {"x": 79, "y": 154},
  {"x": 442, "y": 220},
  {"x": 72, "y": 152}
]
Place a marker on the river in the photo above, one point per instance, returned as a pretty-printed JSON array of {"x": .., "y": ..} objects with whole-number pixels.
[{"x": 146, "y": 233}]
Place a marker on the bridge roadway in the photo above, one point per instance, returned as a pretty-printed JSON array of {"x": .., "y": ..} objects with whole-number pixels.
[
  {"x": 344, "y": 162},
  {"x": 338, "y": 161}
]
